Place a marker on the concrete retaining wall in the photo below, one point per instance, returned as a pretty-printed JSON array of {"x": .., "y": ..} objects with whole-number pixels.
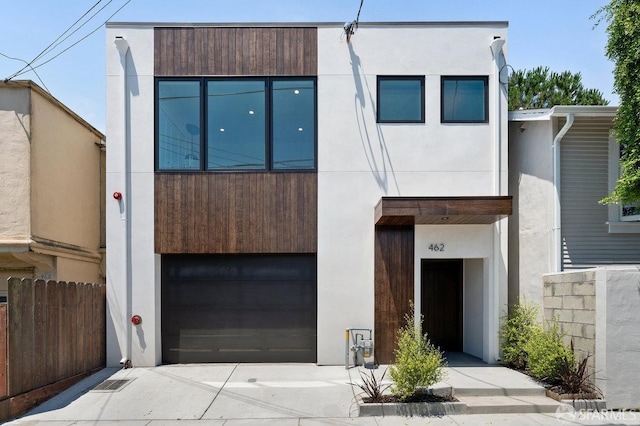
[{"x": 599, "y": 308}]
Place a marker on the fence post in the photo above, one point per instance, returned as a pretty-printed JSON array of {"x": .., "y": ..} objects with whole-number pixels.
[{"x": 3, "y": 349}]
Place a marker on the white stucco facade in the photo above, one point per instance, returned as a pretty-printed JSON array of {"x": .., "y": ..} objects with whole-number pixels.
[
  {"x": 358, "y": 162},
  {"x": 617, "y": 336},
  {"x": 531, "y": 183},
  {"x": 130, "y": 171}
]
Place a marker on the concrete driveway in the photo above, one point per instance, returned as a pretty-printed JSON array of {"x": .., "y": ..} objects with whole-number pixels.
[{"x": 235, "y": 394}]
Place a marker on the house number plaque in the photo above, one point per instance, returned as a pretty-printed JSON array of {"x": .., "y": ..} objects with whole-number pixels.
[{"x": 436, "y": 247}]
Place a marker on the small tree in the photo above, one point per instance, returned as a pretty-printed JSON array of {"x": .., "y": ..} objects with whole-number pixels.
[
  {"x": 515, "y": 331},
  {"x": 418, "y": 362},
  {"x": 542, "y": 88}
]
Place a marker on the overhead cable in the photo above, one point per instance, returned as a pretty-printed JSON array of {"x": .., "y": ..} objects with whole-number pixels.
[
  {"x": 351, "y": 27},
  {"x": 24, "y": 71},
  {"x": 28, "y": 64},
  {"x": 34, "y": 71}
]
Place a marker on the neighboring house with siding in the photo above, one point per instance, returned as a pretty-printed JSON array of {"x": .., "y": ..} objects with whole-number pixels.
[
  {"x": 279, "y": 185},
  {"x": 51, "y": 189},
  {"x": 558, "y": 223}
]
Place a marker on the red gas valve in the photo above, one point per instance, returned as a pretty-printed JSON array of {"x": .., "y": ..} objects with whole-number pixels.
[
  {"x": 136, "y": 320},
  {"x": 117, "y": 195}
]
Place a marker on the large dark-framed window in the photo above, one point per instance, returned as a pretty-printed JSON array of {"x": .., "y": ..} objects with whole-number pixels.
[
  {"x": 178, "y": 120},
  {"x": 400, "y": 99},
  {"x": 236, "y": 123},
  {"x": 464, "y": 99}
]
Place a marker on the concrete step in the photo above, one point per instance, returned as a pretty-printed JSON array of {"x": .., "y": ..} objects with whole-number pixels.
[
  {"x": 508, "y": 404},
  {"x": 498, "y": 391}
]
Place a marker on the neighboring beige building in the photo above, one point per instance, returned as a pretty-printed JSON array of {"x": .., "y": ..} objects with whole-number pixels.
[{"x": 51, "y": 189}]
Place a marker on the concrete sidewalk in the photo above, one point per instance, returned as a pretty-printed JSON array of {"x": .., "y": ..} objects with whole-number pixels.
[{"x": 238, "y": 394}]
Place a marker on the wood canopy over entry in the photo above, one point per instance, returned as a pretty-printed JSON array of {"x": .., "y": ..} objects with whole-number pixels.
[{"x": 442, "y": 210}]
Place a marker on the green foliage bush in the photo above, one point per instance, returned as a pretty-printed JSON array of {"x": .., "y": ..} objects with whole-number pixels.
[
  {"x": 547, "y": 353},
  {"x": 418, "y": 362},
  {"x": 515, "y": 331},
  {"x": 623, "y": 48}
]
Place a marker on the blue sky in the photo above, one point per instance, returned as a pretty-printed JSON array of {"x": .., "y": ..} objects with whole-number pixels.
[{"x": 553, "y": 33}]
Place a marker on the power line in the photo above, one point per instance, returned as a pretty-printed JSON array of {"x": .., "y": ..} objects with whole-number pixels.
[
  {"x": 34, "y": 71},
  {"x": 351, "y": 27},
  {"x": 48, "y": 47},
  {"x": 77, "y": 29},
  {"x": 69, "y": 47}
]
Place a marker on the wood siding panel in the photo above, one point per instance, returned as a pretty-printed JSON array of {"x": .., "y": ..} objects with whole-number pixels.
[
  {"x": 195, "y": 51},
  {"x": 236, "y": 213},
  {"x": 442, "y": 210},
  {"x": 393, "y": 282}
]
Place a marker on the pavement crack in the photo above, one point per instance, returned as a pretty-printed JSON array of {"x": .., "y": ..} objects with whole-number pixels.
[{"x": 219, "y": 390}]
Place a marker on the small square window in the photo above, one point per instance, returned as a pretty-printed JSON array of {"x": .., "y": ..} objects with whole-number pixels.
[
  {"x": 464, "y": 100},
  {"x": 400, "y": 99}
]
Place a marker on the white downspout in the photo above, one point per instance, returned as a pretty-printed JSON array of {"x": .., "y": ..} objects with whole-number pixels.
[
  {"x": 494, "y": 305},
  {"x": 496, "y": 49},
  {"x": 557, "y": 217},
  {"x": 123, "y": 47}
]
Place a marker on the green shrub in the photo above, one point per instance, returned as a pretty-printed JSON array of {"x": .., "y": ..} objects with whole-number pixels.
[
  {"x": 515, "y": 331},
  {"x": 418, "y": 362},
  {"x": 547, "y": 353}
]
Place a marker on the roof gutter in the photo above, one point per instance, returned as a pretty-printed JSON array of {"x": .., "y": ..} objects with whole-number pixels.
[{"x": 557, "y": 216}]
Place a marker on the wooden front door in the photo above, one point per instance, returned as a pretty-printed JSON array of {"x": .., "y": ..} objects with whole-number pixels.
[{"x": 441, "y": 302}]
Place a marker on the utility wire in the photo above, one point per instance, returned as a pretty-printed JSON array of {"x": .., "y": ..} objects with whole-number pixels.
[
  {"x": 77, "y": 29},
  {"x": 28, "y": 64},
  {"x": 63, "y": 51},
  {"x": 34, "y": 71},
  {"x": 351, "y": 27}
]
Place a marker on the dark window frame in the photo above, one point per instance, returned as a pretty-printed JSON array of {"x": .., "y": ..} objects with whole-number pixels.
[
  {"x": 156, "y": 124},
  {"x": 267, "y": 122},
  {"x": 268, "y": 137},
  {"x": 483, "y": 78},
  {"x": 419, "y": 78}
]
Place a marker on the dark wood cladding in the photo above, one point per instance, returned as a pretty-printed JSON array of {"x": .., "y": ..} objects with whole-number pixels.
[
  {"x": 394, "y": 277},
  {"x": 236, "y": 212},
  {"x": 197, "y": 51},
  {"x": 442, "y": 210}
]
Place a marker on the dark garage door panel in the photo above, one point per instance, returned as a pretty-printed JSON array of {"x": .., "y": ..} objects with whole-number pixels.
[{"x": 238, "y": 308}]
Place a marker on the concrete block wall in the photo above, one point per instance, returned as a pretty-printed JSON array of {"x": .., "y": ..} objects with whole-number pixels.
[{"x": 570, "y": 299}]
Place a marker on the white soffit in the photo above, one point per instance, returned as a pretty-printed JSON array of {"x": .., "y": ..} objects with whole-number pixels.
[{"x": 562, "y": 111}]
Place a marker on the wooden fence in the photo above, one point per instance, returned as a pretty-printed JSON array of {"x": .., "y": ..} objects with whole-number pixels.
[{"x": 52, "y": 333}]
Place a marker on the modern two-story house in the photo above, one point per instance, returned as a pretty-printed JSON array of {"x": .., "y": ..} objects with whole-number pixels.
[{"x": 271, "y": 185}]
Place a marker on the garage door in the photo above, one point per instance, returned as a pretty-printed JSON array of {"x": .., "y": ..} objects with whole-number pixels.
[{"x": 238, "y": 308}]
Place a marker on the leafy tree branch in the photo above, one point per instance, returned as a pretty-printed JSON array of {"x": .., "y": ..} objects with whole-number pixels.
[
  {"x": 623, "y": 48},
  {"x": 542, "y": 88}
]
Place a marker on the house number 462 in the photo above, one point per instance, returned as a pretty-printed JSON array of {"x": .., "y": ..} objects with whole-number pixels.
[{"x": 436, "y": 247}]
